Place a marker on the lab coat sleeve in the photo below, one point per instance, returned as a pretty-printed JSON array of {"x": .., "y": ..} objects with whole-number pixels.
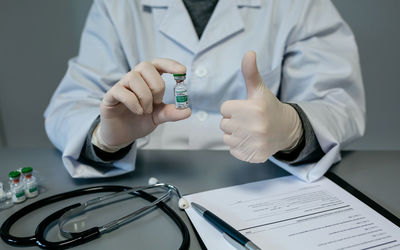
[
  {"x": 321, "y": 73},
  {"x": 76, "y": 102}
]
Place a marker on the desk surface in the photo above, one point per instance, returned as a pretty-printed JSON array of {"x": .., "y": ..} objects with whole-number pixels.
[{"x": 375, "y": 173}]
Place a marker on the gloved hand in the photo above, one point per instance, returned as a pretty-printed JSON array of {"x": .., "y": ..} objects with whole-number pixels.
[
  {"x": 260, "y": 126},
  {"x": 133, "y": 107}
]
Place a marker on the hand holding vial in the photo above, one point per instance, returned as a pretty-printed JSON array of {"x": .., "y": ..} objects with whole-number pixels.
[{"x": 133, "y": 107}]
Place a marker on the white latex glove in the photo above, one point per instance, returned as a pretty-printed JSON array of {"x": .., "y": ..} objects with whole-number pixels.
[
  {"x": 260, "y": 126},
  {"x": 133, "y": 107}
]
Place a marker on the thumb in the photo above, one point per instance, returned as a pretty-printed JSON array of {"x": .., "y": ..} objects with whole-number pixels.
[
  {"x": 169, "y": 113},
  {"x": 250, "y": 73}
]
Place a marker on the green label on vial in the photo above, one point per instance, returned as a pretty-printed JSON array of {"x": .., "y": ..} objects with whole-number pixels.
[
  {"x": 20, "y": 194},
  {"x": 181, "y": 98},
  {"x": 31, "y": 190}
]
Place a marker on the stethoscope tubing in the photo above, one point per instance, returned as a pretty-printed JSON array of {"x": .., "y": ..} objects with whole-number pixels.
[
  {"x": 78, "y": 238},
  {"x": 39, "y": 238},
  {"x": 31, "y": 240}
]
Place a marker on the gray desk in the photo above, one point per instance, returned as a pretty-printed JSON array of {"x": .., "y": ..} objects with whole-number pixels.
[{"x": 375, "y": 173}]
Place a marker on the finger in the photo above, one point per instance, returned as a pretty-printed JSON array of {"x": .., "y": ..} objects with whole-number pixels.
[
  {"x": 119, "y": 94},
  {"x": 168, "y": 113},
  {"x": 227, "y": 108},
  {"x": 231, "y": 140},
  {"x": 153, "y": 80},
  {"x": 251, "y": 157},
  {"x": 109, "y": 99},
  {"x": 164, "y": 65},
  {"x": 226, "y": 125},
  {"x": 139, "y": 87},
  {"x": 237, "y": 154},
  {"x": 251, "y": 75},
  {"x": 248, "y": 155},
  {"x": 231, "y": 107}
]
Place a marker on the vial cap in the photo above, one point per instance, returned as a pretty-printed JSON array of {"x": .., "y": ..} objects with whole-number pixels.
[
  {"x": 179, "y": 77},
  {"x": 14, "y": 174},
  {"x": 26, "y": 170}
]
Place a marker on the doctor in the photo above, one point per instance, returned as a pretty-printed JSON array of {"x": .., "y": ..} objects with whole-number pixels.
[{"x": 276, "y": 80}]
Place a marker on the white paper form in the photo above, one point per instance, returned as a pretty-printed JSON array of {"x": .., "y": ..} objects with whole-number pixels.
[{"x": 286, "y": 213}]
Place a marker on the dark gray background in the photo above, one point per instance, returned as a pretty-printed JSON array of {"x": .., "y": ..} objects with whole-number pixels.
[{"x": 38, "y": 37}]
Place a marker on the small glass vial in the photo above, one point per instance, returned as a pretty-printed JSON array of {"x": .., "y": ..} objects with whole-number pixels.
[
  {"x": 31, "y": 185},
  {"x": 5, "y": 198},
  {"x": 16, "y": 187},
  {"x": 180, "y": 89}
]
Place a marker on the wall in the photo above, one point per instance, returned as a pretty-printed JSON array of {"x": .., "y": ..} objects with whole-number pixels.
[
  {"x": 38, "y": 37},
  {"x": 36, "y": 40},
  {"x": 376, "y": 27}
]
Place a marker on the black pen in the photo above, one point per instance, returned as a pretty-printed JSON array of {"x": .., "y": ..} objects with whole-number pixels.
[{"x": 225, "y": 227}]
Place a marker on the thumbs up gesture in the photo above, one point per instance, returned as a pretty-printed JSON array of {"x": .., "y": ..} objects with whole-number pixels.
[{"x": 256, "y": 128}]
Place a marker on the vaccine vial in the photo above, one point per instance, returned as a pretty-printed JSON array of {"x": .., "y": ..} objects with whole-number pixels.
[
  {"x": 181, "y": 93},
  {"x": 30, "y": 182},
  {"x": 5, "y": 198},
  {"x": 16, "y": 187}
]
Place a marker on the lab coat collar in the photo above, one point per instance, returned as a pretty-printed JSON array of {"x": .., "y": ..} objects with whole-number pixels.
[
  {"x": 178, "y": 26},
  {"x": 224, "y": 22},
  {"x": 165, "y": 3}
]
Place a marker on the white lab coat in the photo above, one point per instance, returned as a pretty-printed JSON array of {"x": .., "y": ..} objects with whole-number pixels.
[{"x": 306, "y": 54}]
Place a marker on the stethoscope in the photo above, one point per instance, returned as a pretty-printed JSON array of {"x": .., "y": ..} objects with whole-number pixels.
[{"x": 65, "y": 214}]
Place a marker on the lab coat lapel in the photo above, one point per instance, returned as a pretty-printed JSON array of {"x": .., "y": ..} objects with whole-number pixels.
[
  {"x": 178, "y": 26},
  {"x": 224, "y": 23}
]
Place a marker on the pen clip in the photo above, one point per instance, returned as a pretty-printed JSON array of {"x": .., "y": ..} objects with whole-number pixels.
[{"x": 233, "y": 242}]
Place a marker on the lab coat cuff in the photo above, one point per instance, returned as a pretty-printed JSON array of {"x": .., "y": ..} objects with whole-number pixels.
[
  {"x": 328, "y": 141},
  {"x": 311, "y": 172},
  {"x": 78, "y": 169},
  {"x": 92, "y": 154},
  {"x": 308, "y": 149},
  {"x": 72, "y": 151}
]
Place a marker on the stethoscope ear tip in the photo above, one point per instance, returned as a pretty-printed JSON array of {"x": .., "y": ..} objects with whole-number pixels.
[
  {"x": 183, "y": 203},
  {"x": 152, "y": 181}
]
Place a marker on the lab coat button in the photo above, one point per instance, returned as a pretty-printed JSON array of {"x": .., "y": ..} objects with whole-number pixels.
[
  {"x": 202, "y": 116},
  {"x": 201, "y": 72}
]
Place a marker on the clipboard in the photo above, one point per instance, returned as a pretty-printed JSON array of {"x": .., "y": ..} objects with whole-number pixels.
[
  {"x": 362, "y": 197},
  {"x": 346, "y": 189}
]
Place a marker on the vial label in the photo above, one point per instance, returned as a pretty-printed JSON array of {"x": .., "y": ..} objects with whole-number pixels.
[
  {"x": 181, "y": 99},
  {"x": 19, "y": 194},
  {"x": 31, "y": 189}
]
